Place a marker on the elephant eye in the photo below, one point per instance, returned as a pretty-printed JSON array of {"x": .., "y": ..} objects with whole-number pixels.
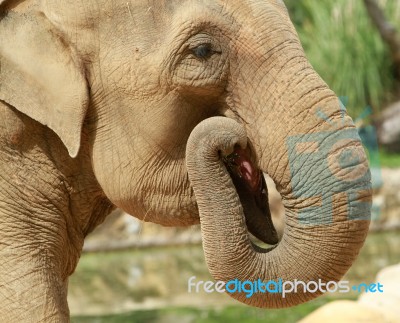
[{"x": 203, "y": 51}]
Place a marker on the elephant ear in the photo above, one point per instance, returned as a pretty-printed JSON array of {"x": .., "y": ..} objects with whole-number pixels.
[{"x": 41, "y": 77}]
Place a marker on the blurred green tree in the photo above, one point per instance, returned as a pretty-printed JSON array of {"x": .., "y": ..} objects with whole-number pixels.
[
  {"x": 388, "y": 32},
  {"x": 346, "y": 49}
]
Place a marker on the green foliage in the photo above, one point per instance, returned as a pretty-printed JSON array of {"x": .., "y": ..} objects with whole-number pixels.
[
  {"x": 389, "y": 160},
  {"x": 346, "y": 49}
]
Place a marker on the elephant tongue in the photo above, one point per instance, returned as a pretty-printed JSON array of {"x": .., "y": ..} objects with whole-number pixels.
[{"x": 252, "y": 189}]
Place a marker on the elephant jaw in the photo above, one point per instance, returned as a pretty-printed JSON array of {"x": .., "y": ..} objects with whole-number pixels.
[{"x": 253, "y": 193}]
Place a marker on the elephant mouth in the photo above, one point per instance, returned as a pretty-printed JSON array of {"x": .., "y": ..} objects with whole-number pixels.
[{"x": 253, "y": 193}]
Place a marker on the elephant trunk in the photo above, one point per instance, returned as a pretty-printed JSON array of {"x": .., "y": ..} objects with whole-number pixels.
[
  {"x": 300, "y": 135},
  {"x": 325, "y": 183}
]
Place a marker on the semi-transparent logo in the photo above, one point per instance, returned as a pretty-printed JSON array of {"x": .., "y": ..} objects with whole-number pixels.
[
  {"x": 335, "y": 158},
  {"x": 279, "y": 286}
]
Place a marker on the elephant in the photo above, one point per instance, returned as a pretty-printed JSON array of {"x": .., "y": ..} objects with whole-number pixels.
[{"x": 172, "y": 111}]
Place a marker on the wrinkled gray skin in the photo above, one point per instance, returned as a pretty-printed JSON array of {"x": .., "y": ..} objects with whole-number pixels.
[{"x": 97, "y": 103}]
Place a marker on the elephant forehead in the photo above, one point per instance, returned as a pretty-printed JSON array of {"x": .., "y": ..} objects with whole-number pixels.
[
  {"x": 72, "y": 13},
  {"x": 88, "y": 13},
  {"x": 147, "y": 22},
  {"x": 144, "y": 22}
]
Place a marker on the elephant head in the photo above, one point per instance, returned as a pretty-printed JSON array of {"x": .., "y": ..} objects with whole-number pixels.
[{"x": 171, "y": 110}]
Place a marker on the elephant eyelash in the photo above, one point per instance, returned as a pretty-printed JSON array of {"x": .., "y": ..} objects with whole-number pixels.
[
  {"x": 202, "y": 46},
  {"x": 203, "y": 51}
]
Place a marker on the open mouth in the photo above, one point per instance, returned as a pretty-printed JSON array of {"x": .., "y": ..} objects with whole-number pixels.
[{"x": 253, "y": 193}]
